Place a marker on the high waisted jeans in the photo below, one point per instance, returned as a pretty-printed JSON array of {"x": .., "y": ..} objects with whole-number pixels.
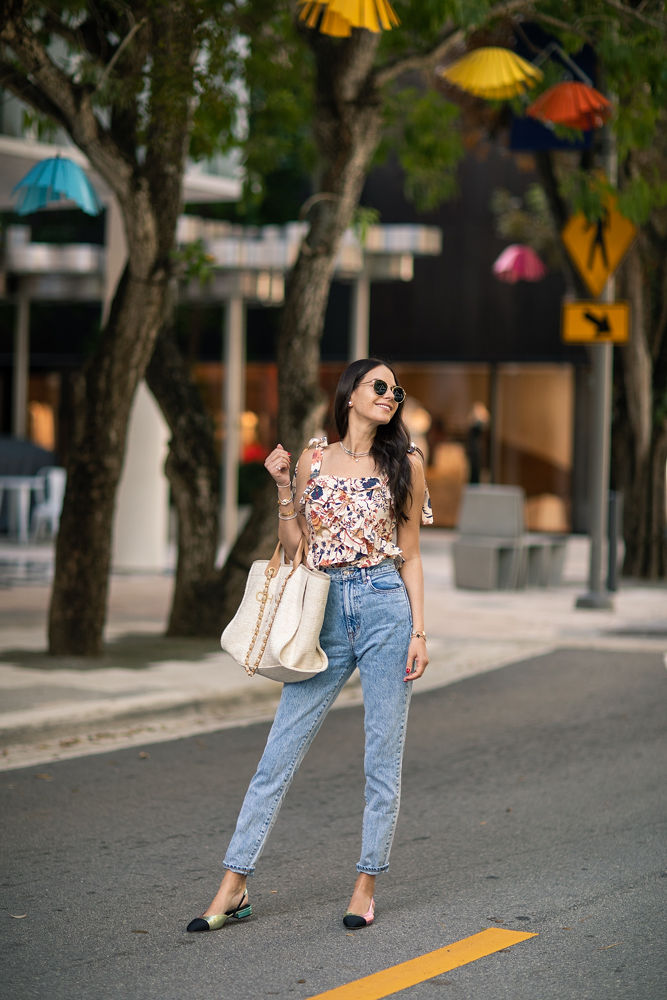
[{"x": 367, "y": 624}]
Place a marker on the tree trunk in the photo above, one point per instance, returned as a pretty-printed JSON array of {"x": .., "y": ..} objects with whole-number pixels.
[
  {"x": 193, "y": 471},
  {"x": 83, "y": 551},
  {"x": 640, "y": 436},
  {"x": 148, "y": 188},
  {"x": 347, "y": 130},
  {"x": 640, "y": 429}
]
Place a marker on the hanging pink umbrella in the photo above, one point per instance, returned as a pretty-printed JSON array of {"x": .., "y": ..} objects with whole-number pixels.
[{"x": 518, "y": 262}]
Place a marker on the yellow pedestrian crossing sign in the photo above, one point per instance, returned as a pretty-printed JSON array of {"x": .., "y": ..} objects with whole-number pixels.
[
  {"x": 595, "y": 322},
  {"x": 597, "y": 248}
]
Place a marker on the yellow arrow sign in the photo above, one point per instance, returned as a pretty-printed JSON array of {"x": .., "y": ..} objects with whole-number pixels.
[
  {"x": 595, "y": 322},
  {"x": 597, "y": 248}
]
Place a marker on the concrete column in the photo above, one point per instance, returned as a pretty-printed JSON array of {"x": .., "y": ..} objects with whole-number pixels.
[
  {"x": 140, "y": 541},
  {"x": 232, "y": 406},
  {"x": 141, "y": 526},
  {"x": 21, "y": 371},
  {"x": 360, "y": 318}
]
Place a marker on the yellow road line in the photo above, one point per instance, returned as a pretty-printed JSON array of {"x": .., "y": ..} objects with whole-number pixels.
[{"x": 417, "y": 970}]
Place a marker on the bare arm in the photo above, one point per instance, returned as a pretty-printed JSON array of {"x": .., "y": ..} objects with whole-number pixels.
[
  {"x": 412, "y": 572},
  {"x": 291, "y": 528}
]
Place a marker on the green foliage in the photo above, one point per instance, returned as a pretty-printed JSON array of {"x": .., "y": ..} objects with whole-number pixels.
[
  {"x": 279, "y": 105},
  {"x": 364, "y": 217},
  {"x": 586, "y": 192},
  {"x": 46, "y": 128},
  {"x": 641, "y": 197},
  {"x": 527, "y": 219},
  {"x": 193, "y": 262},
  {"x": 423, "y": 130},
  {"x": 629, "y": 41}
]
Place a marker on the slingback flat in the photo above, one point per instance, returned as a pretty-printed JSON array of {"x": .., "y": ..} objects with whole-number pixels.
[{"x": 216, "y": 920}]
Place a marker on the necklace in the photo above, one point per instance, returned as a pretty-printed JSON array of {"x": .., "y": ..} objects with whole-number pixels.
[{"x": 356, "y": 455}]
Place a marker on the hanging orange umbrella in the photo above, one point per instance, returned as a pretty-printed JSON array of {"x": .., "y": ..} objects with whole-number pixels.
[
  {"x": 492, "y": 72},
  {"x": 338, "y": 17},
  {"x": 573, "y": 104}
]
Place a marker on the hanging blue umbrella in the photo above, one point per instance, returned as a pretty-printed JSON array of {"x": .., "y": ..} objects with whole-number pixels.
[{"x": 56, "y": 179}]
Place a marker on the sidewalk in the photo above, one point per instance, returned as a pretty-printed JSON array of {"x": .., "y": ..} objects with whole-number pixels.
[{"x": 146, "y": 688}]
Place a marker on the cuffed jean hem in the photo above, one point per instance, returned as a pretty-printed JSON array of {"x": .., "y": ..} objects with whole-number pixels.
[
  {"x": 238, "y": 869},
  {"x": 372, "y": 871}
]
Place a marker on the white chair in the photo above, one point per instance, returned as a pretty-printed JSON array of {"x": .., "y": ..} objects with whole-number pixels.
[{"x": 46, "y": 512}]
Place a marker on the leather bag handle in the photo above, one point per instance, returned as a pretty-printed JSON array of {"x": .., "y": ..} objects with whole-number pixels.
[{"x": 277, "y": 557}]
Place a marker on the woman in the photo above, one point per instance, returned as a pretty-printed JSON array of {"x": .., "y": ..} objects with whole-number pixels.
[{"x": 360, "y": 505}]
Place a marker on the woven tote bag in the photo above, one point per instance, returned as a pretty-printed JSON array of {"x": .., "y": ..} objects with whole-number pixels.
[{"x": 276, "y": 630}]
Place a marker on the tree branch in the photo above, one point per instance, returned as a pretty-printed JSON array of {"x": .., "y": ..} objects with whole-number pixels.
[
  {"x": 126, "y": 41},
  {"x": 420, "y": 61},
  {"x": 48, "y": 88},
  {"x": 74, "y": 37},
  {"x": 11, "y": 79},
  {"x": 634, "y": 12},
  {"x": 451, "y": 35}
]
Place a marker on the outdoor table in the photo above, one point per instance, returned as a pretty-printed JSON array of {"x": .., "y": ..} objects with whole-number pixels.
[{"x": 19, "y": 489}]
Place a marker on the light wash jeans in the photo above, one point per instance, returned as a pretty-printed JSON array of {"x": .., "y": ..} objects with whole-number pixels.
[{"x": 367, "y": 624}]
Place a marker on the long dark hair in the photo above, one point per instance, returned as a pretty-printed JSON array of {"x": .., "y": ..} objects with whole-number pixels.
[{"x": 391, "y": 442}]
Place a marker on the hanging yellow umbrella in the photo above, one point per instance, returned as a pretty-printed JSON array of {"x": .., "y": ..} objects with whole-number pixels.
[
  {"x": 329, "y": 24},
  {"x": 493, "y": 73},
  {"x": 338, "y": 17}
]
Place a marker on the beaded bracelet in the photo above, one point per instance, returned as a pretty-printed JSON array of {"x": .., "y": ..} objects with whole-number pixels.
[{"x": 287, "y": 517}]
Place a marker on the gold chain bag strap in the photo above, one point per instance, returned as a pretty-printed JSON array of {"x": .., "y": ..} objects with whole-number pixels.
[{"x": 276, "y": 630}]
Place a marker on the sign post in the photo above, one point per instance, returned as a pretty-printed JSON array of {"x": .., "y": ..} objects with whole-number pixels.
[
  {"x": 597, "y": 249},
  {"x": 598, "y": 597}
]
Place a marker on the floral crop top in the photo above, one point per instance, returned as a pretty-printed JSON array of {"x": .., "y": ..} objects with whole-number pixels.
[{"x": 350, "y": 519}]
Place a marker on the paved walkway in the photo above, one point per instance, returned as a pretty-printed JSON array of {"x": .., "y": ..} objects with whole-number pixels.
[{"x": 146, "y": 688}]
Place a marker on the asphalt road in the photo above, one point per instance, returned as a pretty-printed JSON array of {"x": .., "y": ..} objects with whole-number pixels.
[{"x": 533, "y": 800}]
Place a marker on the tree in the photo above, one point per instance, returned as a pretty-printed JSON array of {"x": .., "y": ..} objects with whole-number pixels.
[
  {"x": 125, "y": 81},
  {"x": 360, "y": 90},
  {"x": 629, "y": 43},
  {"x": 356, "y": 82},
  {"x": 353, "y": 81},
  {"x": 127, "y": 99}
]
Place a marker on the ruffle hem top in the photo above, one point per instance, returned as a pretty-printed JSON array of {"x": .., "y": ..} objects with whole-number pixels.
[{"x": 350, "y": 518}]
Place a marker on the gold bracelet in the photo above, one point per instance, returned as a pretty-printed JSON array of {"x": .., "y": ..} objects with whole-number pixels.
[
  {"x": 287, "y": 517},
  {"x": 418, "y": 635}
]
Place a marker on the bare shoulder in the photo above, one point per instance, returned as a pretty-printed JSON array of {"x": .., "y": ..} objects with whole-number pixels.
[
  {"x": 304, "y": 461},
  {"x": 416, "y": 460}
]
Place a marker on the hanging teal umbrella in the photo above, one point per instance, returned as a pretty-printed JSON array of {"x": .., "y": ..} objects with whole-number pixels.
[{"x": 56, "y": 179}]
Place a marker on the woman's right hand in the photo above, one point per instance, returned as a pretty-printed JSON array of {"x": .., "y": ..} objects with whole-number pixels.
[{"x": 277, "y": 464}]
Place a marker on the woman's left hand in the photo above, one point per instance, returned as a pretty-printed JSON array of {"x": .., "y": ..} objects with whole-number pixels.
[{"x": 417, "y": 659}]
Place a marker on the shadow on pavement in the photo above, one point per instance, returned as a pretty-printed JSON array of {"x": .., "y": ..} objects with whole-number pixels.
[{"x": 130, "y": 651}]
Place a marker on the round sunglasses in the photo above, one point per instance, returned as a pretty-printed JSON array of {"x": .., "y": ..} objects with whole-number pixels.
[{"x": 380, "y": 387}]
